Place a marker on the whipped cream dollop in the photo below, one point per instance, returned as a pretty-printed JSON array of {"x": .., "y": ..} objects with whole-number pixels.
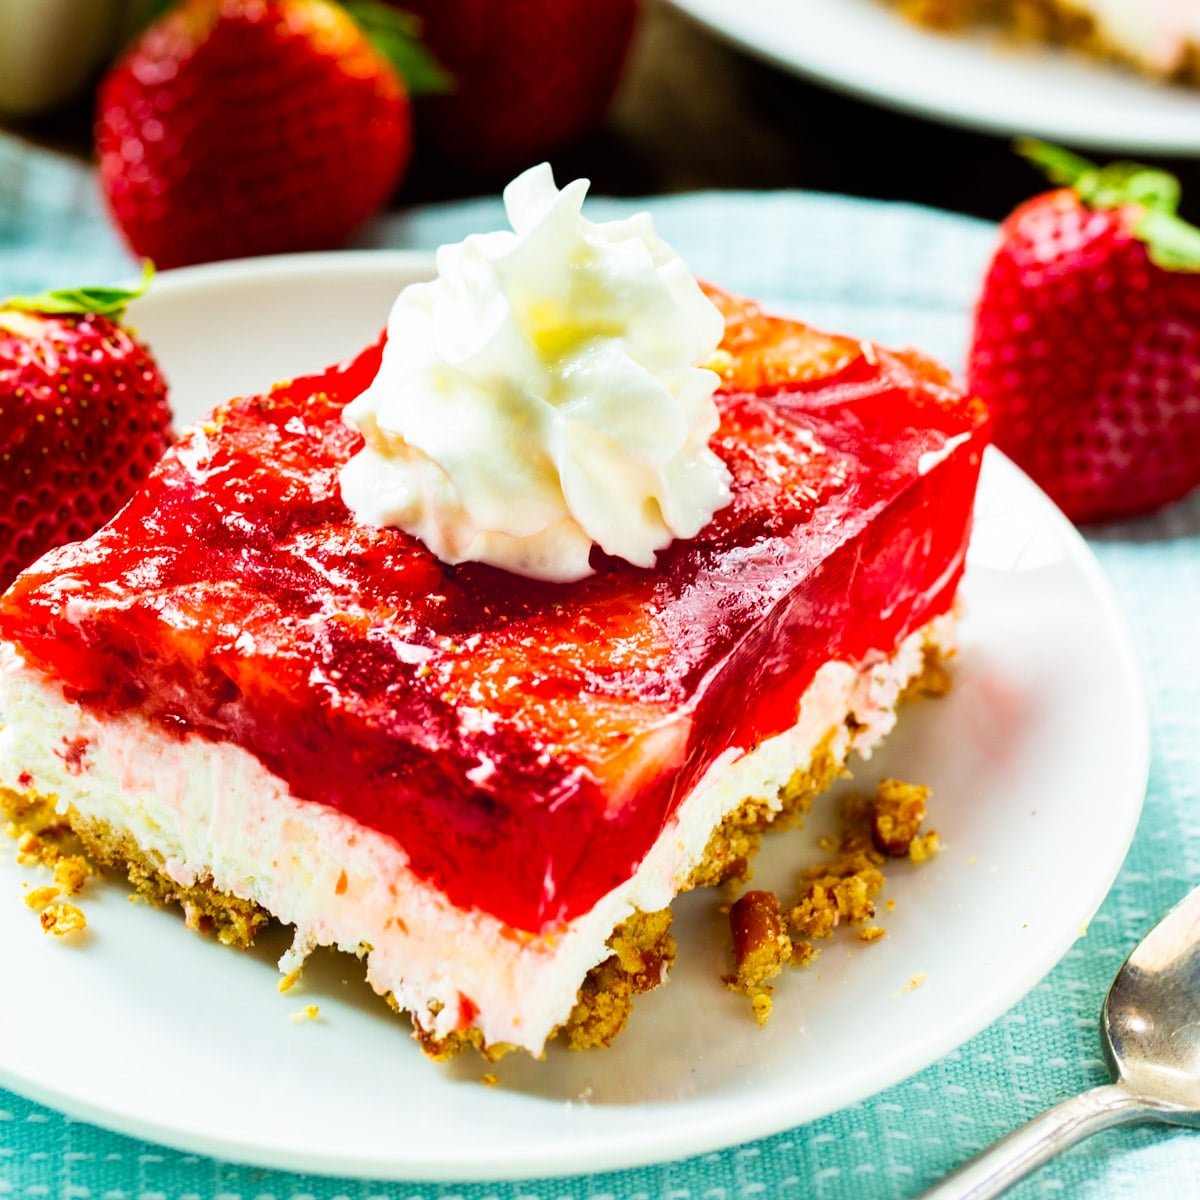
[{"x": 544, "y": 394}]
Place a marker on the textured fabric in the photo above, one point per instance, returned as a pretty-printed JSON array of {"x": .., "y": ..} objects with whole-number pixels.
[{"x": 900, "y": 274}]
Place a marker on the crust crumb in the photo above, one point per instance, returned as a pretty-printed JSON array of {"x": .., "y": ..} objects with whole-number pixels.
[
  {"x": 762, "y": 1004},
  {"x": 310, "y": 1012},
  {"x": 62, "y": 920},
  {"x": 490, "y": 1079},
  {"x": 35, "y": 850},
  {"x": 36, "y": 826},
  {"x": 840, "y": 891},
  {"x": 925, "y": 847},
  {"x": 42, "y": 897},
  {"x": 897, "y": 814},
  {"x": 29, "y": 810},
  {"x": 71, "y": 872},
  {"x": 289, "y": 980},
  {"x": 803, "y": 953},
  {"x": 761, "y": 949}
]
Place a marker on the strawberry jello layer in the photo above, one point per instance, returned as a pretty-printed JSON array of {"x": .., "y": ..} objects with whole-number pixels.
[{"x": 524, "y": 744}]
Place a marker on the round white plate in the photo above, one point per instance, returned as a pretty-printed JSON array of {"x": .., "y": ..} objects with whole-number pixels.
[
  {"x": 1037, "y": 760},
  {"x": 979, "y": 80}
]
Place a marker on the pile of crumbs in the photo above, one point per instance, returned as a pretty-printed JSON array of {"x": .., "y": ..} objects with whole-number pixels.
[
  {"x": 839, "y": 892},
  {"x": 42, "y": 839}
]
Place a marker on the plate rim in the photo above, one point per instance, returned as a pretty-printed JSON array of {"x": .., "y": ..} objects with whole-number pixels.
[
  {"x": 702, "y": 1132},
  {"x": 725, "y": 22}
]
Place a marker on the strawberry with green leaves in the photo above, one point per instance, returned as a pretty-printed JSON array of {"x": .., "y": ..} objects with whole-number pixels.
[
  {"x": 83, "y": 418},
  {"x": 1087, "y": 339},
  {"x": 242, "y": 127}
]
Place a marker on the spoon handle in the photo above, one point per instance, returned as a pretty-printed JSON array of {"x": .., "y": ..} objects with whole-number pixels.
[{"x": 997, "y": 1168}]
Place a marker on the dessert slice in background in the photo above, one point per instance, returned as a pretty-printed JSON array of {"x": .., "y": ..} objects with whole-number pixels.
[
  {"x": 490, "y": 786},
  {"x": 1160, "y": 38}
]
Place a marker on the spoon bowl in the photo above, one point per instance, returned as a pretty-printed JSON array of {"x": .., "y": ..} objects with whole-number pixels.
[
  {"x": 1151, "y": 1033},
  {"x": 1152, "y": 1015}
]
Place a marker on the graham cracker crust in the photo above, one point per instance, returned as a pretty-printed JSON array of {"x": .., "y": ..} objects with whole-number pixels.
[
  {"x": 1056, "y": 22},
  {"x": 233, "y": 921},
  {"x": 643, "y": 949}
]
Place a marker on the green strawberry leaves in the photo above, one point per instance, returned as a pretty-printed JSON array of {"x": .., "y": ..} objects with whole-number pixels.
[
  {"x": 397, "y": 36},
  {"x": 102, "y": 301},
  {"x": 1171, "y": 242},
  {"x": 1059, "y": 165}
]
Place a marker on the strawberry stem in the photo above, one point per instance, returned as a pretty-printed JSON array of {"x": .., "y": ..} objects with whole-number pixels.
[
  {"x": 1170, "y": 241},
  {"x": 1173, "y": 244},
  {"x": 397, "y": 36},
  {"x": 102, "y": 301},
  {"x": 1060, "y": 166}
]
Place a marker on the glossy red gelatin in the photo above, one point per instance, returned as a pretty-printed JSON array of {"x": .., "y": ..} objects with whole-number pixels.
[{"x": 525, "y": 743}]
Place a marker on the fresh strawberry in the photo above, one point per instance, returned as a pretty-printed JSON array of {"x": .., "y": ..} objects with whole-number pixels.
[
  {"x": 530, "y": 75},
  {"x": 1087, "y": 339},
  {"x": 238, "y": 127},
  {"x": 83, "y": 418}
]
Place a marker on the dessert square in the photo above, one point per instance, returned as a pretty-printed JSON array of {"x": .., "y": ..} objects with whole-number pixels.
[{"x": 488, "y": 787}]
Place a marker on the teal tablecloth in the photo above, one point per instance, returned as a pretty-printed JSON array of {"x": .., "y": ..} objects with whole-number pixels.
[{"x": 903, "y": 275}]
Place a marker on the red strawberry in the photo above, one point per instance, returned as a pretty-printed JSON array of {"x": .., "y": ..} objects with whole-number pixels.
[
  {"x": 83, "y": 418},
  {"x": 530, "y": 75},
  {"x": 1087, "y": 339},
  {"x": 238, "y": 127}
]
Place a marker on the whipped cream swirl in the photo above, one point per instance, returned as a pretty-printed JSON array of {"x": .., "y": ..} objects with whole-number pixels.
[{"x": 544, "y": 394}]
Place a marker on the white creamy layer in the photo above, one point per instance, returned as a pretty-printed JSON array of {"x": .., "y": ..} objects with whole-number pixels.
[
  {"x": 1154, "y": 32},
  {"x": 213, "y": 811}
]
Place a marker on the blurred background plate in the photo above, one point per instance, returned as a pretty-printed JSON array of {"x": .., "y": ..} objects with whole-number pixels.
[{"x": 981, "y": 81}]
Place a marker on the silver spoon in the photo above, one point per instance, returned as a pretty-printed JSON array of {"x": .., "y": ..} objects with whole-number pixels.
[{"x": 1151, "y": 1034}]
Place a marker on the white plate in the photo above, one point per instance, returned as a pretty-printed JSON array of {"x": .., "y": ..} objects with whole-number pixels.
[
  {"x": 979, "y": 80},
  {"x": 1037, "y": 761}
]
